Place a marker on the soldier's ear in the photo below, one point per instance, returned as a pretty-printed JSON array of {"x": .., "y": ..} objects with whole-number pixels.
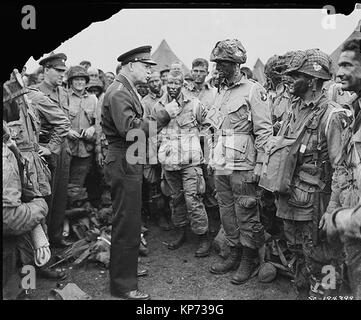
[{"x": 130, "y": 66}]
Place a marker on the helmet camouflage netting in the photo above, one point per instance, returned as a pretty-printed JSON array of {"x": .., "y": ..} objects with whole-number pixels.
[
  {"x": 313, "y": 62},
  {"x": 229, "y": 50}
]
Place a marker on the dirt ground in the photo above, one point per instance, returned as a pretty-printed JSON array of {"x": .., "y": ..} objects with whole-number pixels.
[{"x": 173, "y": 275}]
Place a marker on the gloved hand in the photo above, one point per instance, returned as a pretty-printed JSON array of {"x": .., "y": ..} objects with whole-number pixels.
[{"x": 172, "y": 108}]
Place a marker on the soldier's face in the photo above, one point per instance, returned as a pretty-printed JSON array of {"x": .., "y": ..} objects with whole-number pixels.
[
  {"x": 155, "y": 84},
  {"x": 54, "y": 76},
  {"x": 78, "y": 84},
  {"x": 110, "y": 77},
  {"x": 142, "y": 89},
  {"x": 349, "y": 71},
  {"x": 226, "y": 69},
  {"x": 299, "y": 85},
  {"x": 163, "y": 77},
  {"x": 94, "y": 90},
  {"x": 174, "y": 86},
  {"x": 199, "y": 74},
  {"x": 40, "y": 77}
]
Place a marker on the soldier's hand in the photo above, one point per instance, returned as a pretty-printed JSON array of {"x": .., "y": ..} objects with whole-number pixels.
[
  {"x": 327, "y": 226},
  {"x": 73, "y": 134},
  {"x": 43, "y": 151},
  {"x": 210, "y": 170},
  {"x": 172, "y": 108},
  {"x": 89, "y": 133},
  {"x": 257, "y": 170},
  {"x": 100, "y": 160}
]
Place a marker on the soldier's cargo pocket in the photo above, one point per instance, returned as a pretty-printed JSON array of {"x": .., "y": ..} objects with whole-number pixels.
[
  {"x": 201, "y": 184},
  {"x": 302, "y": 194},
  {"x": 247, "y": 202},
  {"x": 235, "y": 148},
  {"x": 110, "y": 158}
]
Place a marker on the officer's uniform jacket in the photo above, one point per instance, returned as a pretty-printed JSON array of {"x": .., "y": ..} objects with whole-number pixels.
[
  {"x": 122, "y": 111},
  {"x": 179, "y": 140},
  {"x": 82, "y": 115},
  {"x": 242, "y": 114},
  {"x": 59, "y": 98}
]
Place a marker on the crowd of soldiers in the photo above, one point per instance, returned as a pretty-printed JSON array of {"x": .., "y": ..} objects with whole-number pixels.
[{"x": 232, "y": 156}]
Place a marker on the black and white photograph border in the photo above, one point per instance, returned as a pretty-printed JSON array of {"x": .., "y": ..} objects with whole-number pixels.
[{"x": 172, "y": 257}]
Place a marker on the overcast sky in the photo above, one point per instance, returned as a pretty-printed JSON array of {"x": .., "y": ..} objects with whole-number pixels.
[{"x": 192, "y": 33}]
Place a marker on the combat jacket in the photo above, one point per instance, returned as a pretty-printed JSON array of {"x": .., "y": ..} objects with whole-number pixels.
[
  {"x": 25, "y": 133},
  {"x": 59, "y": 96},
  {"x": 179, "y": 140},
  {"x": 18, "y": 217},
  {"x": 346, "y": 181},
  {"x": 205, "y": 95},
  {"x": 242, "y": 115},
  {"x": 149, "y": 101},
  {"x": 280, "y": 106},
  {"x": 82, "y": 115},
  {"x": 122, "y": 111},
  {"x": 318, "y": 154}
]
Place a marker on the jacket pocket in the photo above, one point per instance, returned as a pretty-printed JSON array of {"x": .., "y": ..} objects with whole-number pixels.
[
  {"x": 238, "y": 111},
  {"x": 302, "y": 194},
  {"x": 235, "y": 148},
  {"x": 186, "y": 120}
]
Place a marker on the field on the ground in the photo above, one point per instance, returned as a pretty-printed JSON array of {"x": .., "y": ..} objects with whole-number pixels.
[{"x": 173, "y": 275}]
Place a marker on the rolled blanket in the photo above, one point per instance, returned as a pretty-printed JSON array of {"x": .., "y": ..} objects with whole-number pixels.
[{"x": 42, "y": 252}]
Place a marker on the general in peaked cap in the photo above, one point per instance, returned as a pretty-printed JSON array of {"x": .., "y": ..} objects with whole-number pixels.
[
  {"x": 54, "y": 61},
  {"x": 141, "y": 54}
]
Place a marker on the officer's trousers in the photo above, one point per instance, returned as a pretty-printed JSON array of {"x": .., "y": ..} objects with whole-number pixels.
[
  {"x": 58, "y": 199},
  {"x": 238, "y": 206},
  {"x": 126, "y": 193}
]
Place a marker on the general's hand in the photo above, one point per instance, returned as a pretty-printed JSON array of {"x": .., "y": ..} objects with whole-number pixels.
[
  {"x": 88, "y": 134},
  {"x": 43, "y": 151},
  {"x": 72, "y": 134},
  {"x": 172, "y": 108}
]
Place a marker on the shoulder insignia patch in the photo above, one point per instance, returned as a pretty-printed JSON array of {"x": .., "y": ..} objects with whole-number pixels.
[
  {"x": 121, "y": 86},
  {"x": 263, "y": 96}
]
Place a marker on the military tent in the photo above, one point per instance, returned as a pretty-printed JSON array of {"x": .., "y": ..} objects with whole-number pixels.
[
  {"x": 258, "y": 72},
  {"x": 164, "y": 57}
]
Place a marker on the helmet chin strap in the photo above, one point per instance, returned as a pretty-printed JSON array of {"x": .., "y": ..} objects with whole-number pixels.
[{"x": 313, "y": 83}]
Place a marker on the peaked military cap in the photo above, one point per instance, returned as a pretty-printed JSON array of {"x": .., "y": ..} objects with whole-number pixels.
[
  {"x": 54, "y": 61},
  {"x": 141, "y": 54}
]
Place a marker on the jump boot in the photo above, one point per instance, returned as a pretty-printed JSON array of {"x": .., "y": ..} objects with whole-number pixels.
[
  {"x": 231, "y": 263},
  {"x": 179, "y": 240},
  {"x": 246, "y": 267},
  {"x": 204, "y": 245}
]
